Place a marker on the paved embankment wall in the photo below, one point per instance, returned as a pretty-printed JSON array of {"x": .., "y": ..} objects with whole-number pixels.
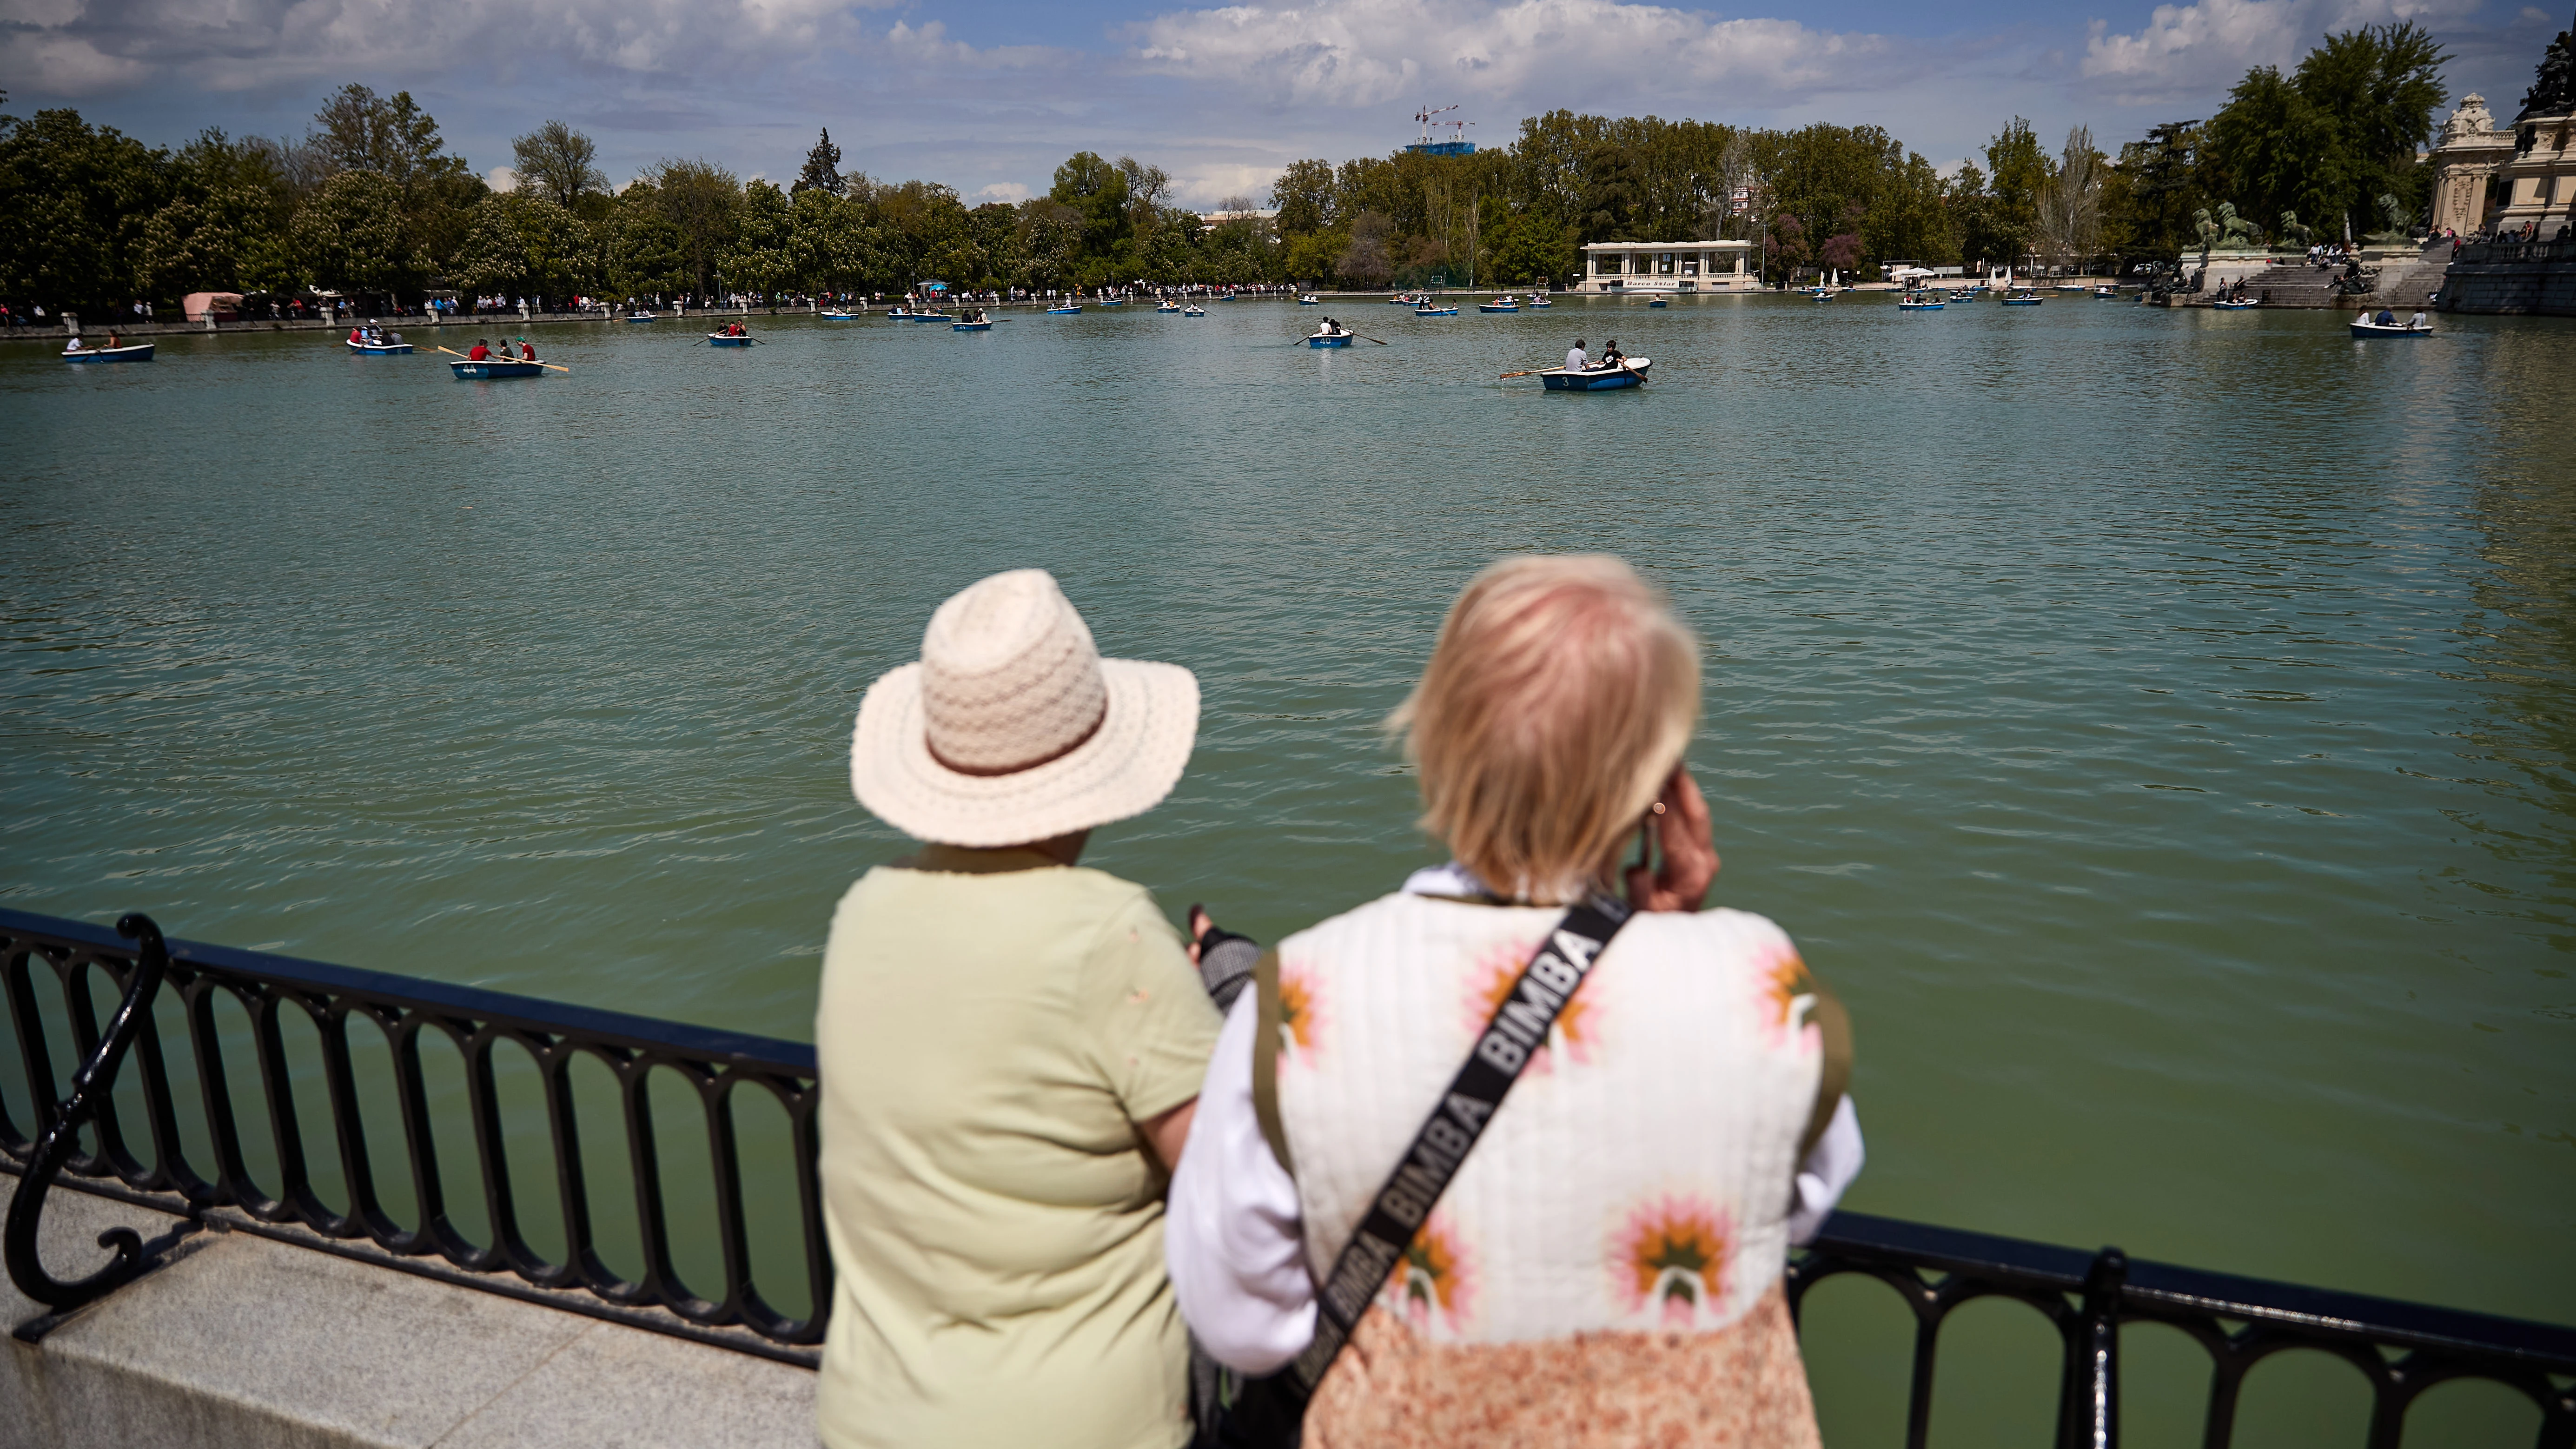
[
  {"x": 249, "y": 1341},
  {"x": 489, "y": 323},
  {"x": 2515, "y": 288}
]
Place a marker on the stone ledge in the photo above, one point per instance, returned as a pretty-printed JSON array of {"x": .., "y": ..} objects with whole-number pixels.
[{"x": 249, "y": 1341}]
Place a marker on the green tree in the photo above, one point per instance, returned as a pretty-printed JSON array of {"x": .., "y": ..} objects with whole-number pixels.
[
  {"x": 560, "y": 162},
  {"x": 2329, "y": 139},
  {"x": 648, "y": 255},
  {"x": 1304, "y": 195},
  {"x": 1096, "y": 188},
  {"x": 2020, "y": 171},
  {"x": 525, "y": 244},
  {"x": 353, "y": 237},
  {"x": 80, "y": 197},
  {"x": 224, "y": 227},
  {"x": 822, "y": 167},
  {"x": 2152, "y": 192},
  {"x": 703, "y": 202}
]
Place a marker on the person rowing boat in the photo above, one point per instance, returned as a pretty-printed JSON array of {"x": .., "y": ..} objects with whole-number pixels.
[{"x": 1576, "y": 359}]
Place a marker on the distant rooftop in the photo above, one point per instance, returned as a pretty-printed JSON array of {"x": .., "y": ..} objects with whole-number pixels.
[{"x": 1220, "y": 218}]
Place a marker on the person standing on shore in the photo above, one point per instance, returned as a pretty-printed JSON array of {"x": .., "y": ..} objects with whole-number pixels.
[{"x": 1010, "y": 1046}]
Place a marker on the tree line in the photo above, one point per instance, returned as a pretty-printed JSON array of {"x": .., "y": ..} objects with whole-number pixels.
[{"x": 370, "y": 200}]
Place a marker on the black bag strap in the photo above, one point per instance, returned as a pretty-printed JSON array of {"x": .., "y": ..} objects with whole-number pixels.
[{"x": 1518, "y": 1029}]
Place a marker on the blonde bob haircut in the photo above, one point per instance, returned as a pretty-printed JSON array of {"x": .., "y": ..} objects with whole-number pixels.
[{"x": 1559, "y": 698}]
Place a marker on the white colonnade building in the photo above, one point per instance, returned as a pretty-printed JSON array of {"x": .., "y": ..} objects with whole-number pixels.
[{"x": 1669, "y": 266}]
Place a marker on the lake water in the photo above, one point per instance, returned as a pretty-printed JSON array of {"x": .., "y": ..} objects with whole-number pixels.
[{"x": 2155, "y": 725}]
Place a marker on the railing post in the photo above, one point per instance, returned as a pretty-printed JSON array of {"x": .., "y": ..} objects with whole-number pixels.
[
  {"x": 2090, "y": 1404},
  {"x": 90, "y": 1086}
]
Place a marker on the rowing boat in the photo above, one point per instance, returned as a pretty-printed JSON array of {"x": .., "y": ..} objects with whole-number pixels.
[
  {"x": 838, "y": 316},
  {"x": 1070, "y": 309},
  {"x": 1630, "y": 373},
  {"x": 727, "y": 339},
  {"x": 130, "y": 352},
  {"x": 1330, "y": 339},
  {"x": 1435, "y": 311},
  {"x": 378, "y": 349},
  {"x": 2247, "y": 305},
  {"x": 984, "y": 326},
  {"x": 1194, "y": 310},
  {"x": 2024, "y": 298},
  {"x": 1657, "y": 302},
  {"x": 1169, "y": 307},
  {"x": 2362, "y": 329},
  {"x": 1310, "y": 300},
  {"x": 496, "y": 367},
  {"x": 642, "y": 317},
  {"x": 1541, "y": 302},
  {"x": 1499, "y": 304}
]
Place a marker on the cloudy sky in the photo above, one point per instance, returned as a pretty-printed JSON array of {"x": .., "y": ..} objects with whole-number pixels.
[{"x": 988, "y": 95}]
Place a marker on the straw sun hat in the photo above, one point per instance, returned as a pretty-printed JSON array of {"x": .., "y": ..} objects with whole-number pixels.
[{"x": 1012, "y": 728}]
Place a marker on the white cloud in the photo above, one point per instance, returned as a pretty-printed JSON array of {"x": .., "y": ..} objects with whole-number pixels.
[
  {"x": 1370, "y": 52},
  {"x": 1005, "y": 191},
  {"x": 501, "y": 178},
  {"x": 66, "y": 46},
  {"x": 2206, "y": 46}
]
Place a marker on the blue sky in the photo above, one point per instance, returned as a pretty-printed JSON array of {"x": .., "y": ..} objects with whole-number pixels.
[{"x": 989, "y": 95}]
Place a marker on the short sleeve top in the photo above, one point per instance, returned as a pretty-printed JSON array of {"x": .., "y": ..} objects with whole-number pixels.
[{"x": 991, "y": 1029}]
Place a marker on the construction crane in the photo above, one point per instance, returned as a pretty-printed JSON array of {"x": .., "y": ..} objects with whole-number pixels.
[{"x": 1424, "y": 116}]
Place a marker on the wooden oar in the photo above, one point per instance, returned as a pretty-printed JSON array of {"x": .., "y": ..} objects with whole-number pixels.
[
  {"x": 556, "y": 366},
  {"x": 1533, "y": 372}
]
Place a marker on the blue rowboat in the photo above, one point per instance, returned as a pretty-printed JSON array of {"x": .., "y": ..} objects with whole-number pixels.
[
  {"x": 1541, "y": 302},
  {"x": 1908, "y": 305},
  {"x": 1114, "y": 302},
  {"x": 1066, "y": 311},
  {"x": 1497, "y": 306},
  {"x": 642, "y": 317},
  {"x": 1330, "y": 339},
  {"x": 495, "y": 367},
  {"x": 2234, "y": 306},
  {"x": 2361, "y": 330},
  {"x": 1657, "y": 302},
  {"x": 1194, "y": 310},
  {"x": 1435, "y": 311},
  {"x": 1169, "y": 307},
  {"x": 1310, "y": 300},
  {"x": 130, "y": 352},
  {"x": 719, "y": 339},
  {"x": 970, "y": 326},
  {"x": 378, "y": 349},
  {"x": 2023, "y": 299},
  {"x": 838, "y": 316},
  {"x": 1596, "y": 379}
]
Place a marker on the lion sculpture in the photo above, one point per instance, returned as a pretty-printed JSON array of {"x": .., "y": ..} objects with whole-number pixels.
[
  {"x": 2206, "y": 229},
  {"x": 2235, "y": 231},
  {"x": 2295, "y": 232}
]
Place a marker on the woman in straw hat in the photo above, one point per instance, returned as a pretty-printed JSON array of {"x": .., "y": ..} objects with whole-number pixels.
[
  {"x": 1010, "y": 1046},
  {"x": 1605, "y": 1266}
]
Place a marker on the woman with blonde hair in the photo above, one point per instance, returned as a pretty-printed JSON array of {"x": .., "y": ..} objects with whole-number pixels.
[{"x": 1598, "y": 1257}]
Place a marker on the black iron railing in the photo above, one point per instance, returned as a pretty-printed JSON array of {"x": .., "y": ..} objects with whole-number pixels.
[
  {"x": 2401, "y": 1348},
  {"x": 180, "y": 1086}
]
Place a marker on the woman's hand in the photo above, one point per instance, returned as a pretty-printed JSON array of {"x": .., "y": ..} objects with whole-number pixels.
[
  {"x": 1682, "y": 841},
  {"x": 1200, "y": 923}
]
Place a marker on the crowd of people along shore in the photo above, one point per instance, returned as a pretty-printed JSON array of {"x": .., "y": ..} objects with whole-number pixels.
[{"x": 1093, "y": 1181}]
